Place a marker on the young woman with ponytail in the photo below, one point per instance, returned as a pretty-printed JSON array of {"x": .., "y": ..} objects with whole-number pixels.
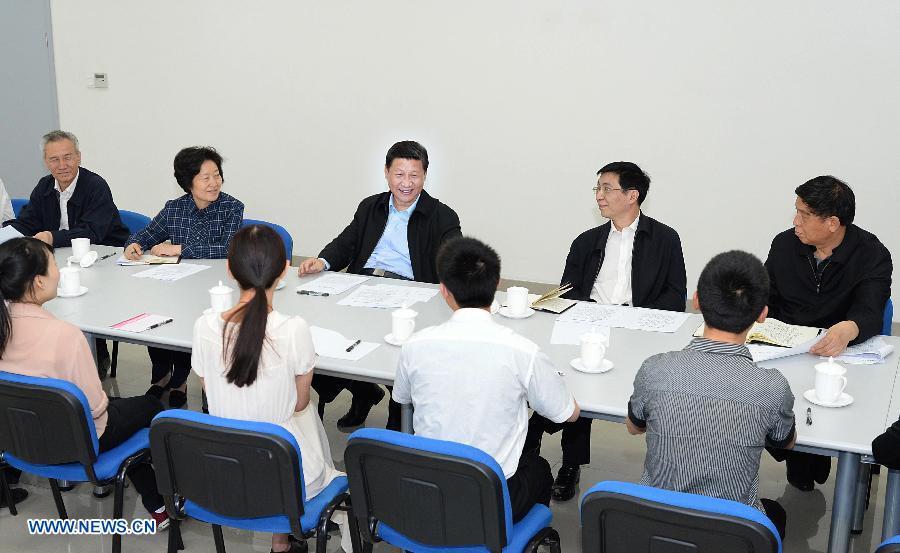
[
  {"x": 35, "y": 343},
  {"x": 256, "y": 364}
]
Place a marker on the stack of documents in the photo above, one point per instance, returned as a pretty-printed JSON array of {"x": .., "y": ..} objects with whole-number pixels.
[
  {"x": 171, "y": 272},
  {"x": 333, "y": 283},
  {"x": 148, "y": 259},
  {"x": 872, "y": 351},
  {"x": 586, "y": 315},
  {"x": 388, "y": 296}
]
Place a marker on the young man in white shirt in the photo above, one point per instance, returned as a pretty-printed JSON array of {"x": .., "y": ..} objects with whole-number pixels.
[
  {"x": 634, "y": 260},
  {"x": 471, "y": 380}
]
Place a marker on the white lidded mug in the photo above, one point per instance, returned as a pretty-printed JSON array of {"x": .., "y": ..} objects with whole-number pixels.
[
  {"x": 517, "y": 300},
  {"x": 403, "y": 323},
  {"x": 830, "y": 381},
  {"x": 80, "y": 246},
  {"x": 593, "y": 349},
  {"x": 220, "y": 298},
  {"x": 69, "y": 280}
]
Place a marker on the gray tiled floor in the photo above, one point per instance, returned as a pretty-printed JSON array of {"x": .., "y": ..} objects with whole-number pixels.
[{"x": 615, "y": 454}]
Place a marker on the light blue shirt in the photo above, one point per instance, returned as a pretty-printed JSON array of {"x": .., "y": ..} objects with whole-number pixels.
[{"x": 392, "y": 251}]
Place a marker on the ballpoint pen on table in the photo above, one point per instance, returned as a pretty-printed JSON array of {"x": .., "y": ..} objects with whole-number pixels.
[
  {"x": 353, "y": 345},
  {"x": 809, "y": 416},
  {"x": 312, "y": 293},
  {"x": 167, "y": 321},
  {"x": 107, "y": 256}
]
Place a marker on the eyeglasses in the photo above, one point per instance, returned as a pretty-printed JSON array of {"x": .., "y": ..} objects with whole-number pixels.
[{"x": 604, "y": 190}]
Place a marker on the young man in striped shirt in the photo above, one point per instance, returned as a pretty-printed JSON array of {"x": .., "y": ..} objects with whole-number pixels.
[{"x": 709, "y": 410}]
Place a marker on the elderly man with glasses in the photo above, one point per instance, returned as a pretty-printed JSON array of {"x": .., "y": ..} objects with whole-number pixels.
[{"x": 631, "y": 260}]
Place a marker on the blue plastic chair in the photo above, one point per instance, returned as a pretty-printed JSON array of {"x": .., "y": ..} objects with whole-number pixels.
[
  {"x": 46, "y": 429},
  {"x": 285, "y": 235},
  {"x": 426, "y": 495},
  {"x": 619, "y": 517},
  {"x": 252, "y": 478},
  {"x": 888, "y": 323},
  {"x": 18, "y": 204},
  {"x": 133, "y": 220},
  {"x": 890, "y": 545}
]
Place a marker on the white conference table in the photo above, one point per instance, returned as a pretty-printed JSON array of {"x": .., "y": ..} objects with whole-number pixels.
[{"x": 114, "y": 295}]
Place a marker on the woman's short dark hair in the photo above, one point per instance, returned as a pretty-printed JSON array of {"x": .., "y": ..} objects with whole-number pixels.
[
  {"x": 407, "y": 149},
  {"x": 256, "y": 260},
  {"x": 470, "y": 269},
  {"x": 827, "y": 196},
  {"x": 21, "y": 259},
  {"x": 188, "y": 161},
  {"x": 631, "y": 177},
  {"x": 733, "y": 290}
]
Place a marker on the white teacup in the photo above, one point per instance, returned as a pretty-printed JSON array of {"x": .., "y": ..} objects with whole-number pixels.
[
  {"x": 80, "y": 246},
  {"x": 220, "y": 298},
  {"x": 403, "y": 323},
  {"x": 69, "y": 280},
  {"x": 593, "y": 349},
  {"x": 830, "y": 381},
  {"x": 517, "y": 300}
]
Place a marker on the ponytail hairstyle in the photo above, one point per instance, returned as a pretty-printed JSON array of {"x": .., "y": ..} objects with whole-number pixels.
[
  {"x": 256, "y": 260},
  {"x": 21, "y": 259}
]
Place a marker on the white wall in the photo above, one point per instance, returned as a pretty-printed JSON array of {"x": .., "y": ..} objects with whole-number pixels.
[{"x": 729, "y": 106}]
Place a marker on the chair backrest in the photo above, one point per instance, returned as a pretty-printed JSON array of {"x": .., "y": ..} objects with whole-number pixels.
[
  {"x": 18, "y": 204},
  {"x": 890, "y": 545},
  {"x": 620, "y": 517},
  {"x": 285, "y": 235},
  {"x": 236, "y": 469},
  {"x": 46, "y": 421},
  {"x": 433, "y": 492},
  {"x": 133, "y": 220},
  {"x": 887, "y": 325}
]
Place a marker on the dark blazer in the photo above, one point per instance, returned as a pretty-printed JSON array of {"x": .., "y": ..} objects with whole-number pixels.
[
  {"x": 430, "y": 225},
  {"x": 853, "y": 286},
  {"x": 92, "y": 212},
  {"x": 658, "y": 278}
]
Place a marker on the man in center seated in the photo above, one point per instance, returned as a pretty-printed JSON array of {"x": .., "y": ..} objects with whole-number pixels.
[
  {"x": 709, "y": 410},
  {"x": 394, "y": 234},
  {"x": 471, "y": 380}
]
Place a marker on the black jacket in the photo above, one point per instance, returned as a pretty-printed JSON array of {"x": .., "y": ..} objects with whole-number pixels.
[
  {"x": 886, "y": 448},
  {"x": 430, "y": 225},
  {"x": 92, "y": 212},
  {"x": 658, "y": 279},
  {"x": 854, "y": 285}
]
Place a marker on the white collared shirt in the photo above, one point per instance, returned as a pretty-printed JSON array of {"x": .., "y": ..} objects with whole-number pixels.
[
  {"x": 6, "y": 209},
  {"x": 471, "y": 380},
  {"x": 613, "y": 284},
  {"x": 64, "y": 197}
]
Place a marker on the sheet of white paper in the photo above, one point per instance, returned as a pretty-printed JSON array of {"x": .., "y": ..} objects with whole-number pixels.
[
  {"x": 171, "y": 272},
  {"x": 8, "y": 233},
  {"x": 330, "y": 343},
  {"x": 872, "y": 351},
  {"x": 762, "y": 352},
  {"x": 334, "y": 283},
  {"x": 146, "y": 259},
  {"x": 387, "y": 296},
  {"x": 142, "y": 322},
  {"x": 620, "y": 316}
]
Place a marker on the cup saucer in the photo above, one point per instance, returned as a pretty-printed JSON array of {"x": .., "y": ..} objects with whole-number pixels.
[
  {"x": 506, "y": 313},
  {"x": 843, "y": 401},
  {"x": 393, "y": 341},
  {"x": 82, "y": 290},
  {"x": 606, "y": 365}
]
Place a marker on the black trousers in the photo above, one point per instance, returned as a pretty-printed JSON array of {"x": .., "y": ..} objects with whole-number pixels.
[
  {"x": 576, "y": 437},
  {"x": 531, "y": 484},
  {"x": 166, "y": 361},
  {"x": 802, "y": 466},
  {"x": 776, "y": 514},
  {"x": 328, "y": 388},
  {"x": 125, "y": 416}
]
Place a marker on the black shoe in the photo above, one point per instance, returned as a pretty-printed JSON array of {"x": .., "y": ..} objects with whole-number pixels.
[
  {"x": 821, "y": 469},
  {"x": 103, "y": 364},
  {"x": 177, "y": 399},
  {"x": 295, "y": 545},
  {"x": 566, "y": 479},
  {"x": 155, "y": 390},
  {"x": 799, "y": 477},
  {"x": 359, "y": 410},
  {"x": 18, "y": 495}
]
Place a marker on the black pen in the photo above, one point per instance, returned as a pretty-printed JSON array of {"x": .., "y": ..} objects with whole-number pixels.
[
  {"x": 809, "y": 416},
  {"x": 311, "y": 293},
  {"x": 107, "y": 256},
  {"x": 353, "y": 345},
  {"x": 167, "y": 321}
]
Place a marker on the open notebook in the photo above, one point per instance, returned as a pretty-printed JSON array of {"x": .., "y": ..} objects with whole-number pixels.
[
  {"x": 773, "y": 332},
  {"x": 551, "y": 301}
]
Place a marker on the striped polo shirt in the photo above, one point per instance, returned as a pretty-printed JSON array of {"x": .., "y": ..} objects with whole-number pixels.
[{"x": 709, "y": 411}]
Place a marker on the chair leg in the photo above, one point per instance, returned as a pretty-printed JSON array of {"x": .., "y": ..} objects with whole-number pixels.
[
  {"x": 175, "y": 543},
  {"x": 114, "y": 359},
  {"x": 220, "y": 540},
  {"x": 6, "y": 492},
  {"x": 322, "y": 528},
  {"x": 57, "y": 497},
  {"x": 546, "y": 535},
  {"x": 118, "y": 507},
  {"x": 859, "y": 500},
  {"x": 356, "y": 542}
]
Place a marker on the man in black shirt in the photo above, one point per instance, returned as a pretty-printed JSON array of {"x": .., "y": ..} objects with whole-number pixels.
[
  {"x": 631, "y": 260},
  {"x": 829, "y": 273}
]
